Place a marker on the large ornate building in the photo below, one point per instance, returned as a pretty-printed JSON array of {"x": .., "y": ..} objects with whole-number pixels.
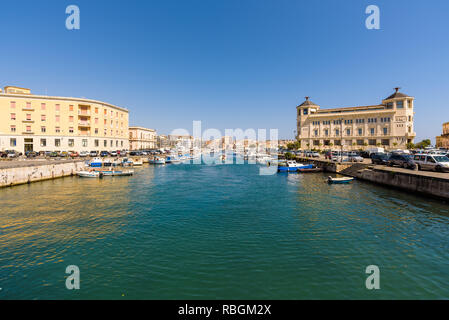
[
  {"x": 389, "y": 124},
  {"x": 443, "y": 140},
  {"x": 31, "y": 122}
]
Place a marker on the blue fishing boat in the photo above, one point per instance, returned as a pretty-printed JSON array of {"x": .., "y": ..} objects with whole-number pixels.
[{"x": 292, "y": 166}]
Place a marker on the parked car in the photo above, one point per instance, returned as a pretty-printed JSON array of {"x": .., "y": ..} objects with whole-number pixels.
[
  {"x": 104, "y": 154},
  {"x": 311, "y": 154},
  {"x": 113, "y": 153},
  {"x": 84, "y": 154},
  {"x": 73, "y": 154},
  {"x": 64, "y": 154},
  {"x": 54, "y": 154},
  {"x": 365, "y": 154},
  {"x": 380, "y": 158},
  {"x": 93, "y": 154},
  {"x": 31, "y": 154},
  {"x": 338, "y": 156},
  {"x": 434, "y": 162},
  {"x": 354, "y": 157},
  {"x": 402, "y": 160},
  {"x": 12, "y": 154}
]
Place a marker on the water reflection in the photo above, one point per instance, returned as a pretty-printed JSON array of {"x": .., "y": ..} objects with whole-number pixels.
[{"x": 197, "y": 231}]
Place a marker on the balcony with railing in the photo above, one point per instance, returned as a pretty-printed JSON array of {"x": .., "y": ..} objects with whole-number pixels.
[
  {"x": 83, "y": 123},
  {"x": 83, "y": 112}
]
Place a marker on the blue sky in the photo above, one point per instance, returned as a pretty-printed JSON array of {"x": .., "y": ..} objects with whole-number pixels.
[{"x": 231, "y": 64}]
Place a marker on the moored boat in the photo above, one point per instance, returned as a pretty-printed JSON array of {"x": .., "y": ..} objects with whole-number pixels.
[
  {"x": 156, "y": 160},
  {"x": 137, "y": 162},
  {"x": 116, "y": 173},
  {"x": 311, "y": 170},
  {"x": 339, "y": 180},
  {"x": 89, "y": 174},
  {"x": 292, "y": 166},
  {"x": 96, "y": 163}
]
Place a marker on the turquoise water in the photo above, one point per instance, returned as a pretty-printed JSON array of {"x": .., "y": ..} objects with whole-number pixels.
[{"x": 220, "y": 232}]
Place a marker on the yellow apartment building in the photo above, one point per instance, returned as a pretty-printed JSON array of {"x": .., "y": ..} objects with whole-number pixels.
[
  {"x": 443, "y": 140},
  {"x": 142, "y": 138},
  {"x": 31, "y": 122},
  {"x": 389, "y": 125}
]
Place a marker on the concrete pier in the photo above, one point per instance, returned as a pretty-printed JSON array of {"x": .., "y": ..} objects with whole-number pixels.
[
  {"x": 425, "y": 183},
  {"x": 20, "y": 172}
]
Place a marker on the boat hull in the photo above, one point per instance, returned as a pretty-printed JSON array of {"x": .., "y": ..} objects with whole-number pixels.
[
  {"x": 294, "y": 169},
  {"x": 340, "y": 180}
]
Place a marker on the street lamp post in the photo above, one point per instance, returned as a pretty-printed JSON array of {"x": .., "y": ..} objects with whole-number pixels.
[{"x": 341, "y": 140}]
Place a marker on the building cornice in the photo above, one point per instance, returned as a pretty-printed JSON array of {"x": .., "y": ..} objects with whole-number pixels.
[{"x": 33, "y": 96}]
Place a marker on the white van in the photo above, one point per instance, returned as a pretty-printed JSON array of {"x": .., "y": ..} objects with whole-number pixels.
[{"x": 434, "y": 162}]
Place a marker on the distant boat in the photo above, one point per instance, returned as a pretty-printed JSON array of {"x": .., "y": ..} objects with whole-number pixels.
[
  {"x": 292, "y": 166},
  {"x": 172, "y": 159},
  {"x": 116, "y": 173},
  {"x": 156, "y": 160},
  {"x": 339, "y": 180},
  {"x": 89, "y": 174},
  {"x": 137, "y": 162},
  {"x": 96, "y": 163}
]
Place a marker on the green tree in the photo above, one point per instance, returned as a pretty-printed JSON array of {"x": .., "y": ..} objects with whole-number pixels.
[{"x": 423, "y": 144}]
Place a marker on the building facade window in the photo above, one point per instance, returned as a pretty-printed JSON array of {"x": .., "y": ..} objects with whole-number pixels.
[
  {"x": 399, "y": 104},
  {"x": 43, "y": 106},
  {"x": 43, "y": 129},
  {"x": 84, "y": 142},
  {"x": 13, "y": 104},
  {"x": 12, "y": 142},
  {"x": 57, "y": 129},
  {"x": 43, "y": 118},
  {"x": 385, "y": 131},
  {"x": 13, "y": 116},
  {"x": 43, "y": 142},
  {"x": 71, "y": 142},
  {"x": 57, "y": 142},
  {"x": 97, "y": 143}
]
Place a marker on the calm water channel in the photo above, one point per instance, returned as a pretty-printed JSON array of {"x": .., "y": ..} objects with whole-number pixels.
[{"x": 220, "y": 231}]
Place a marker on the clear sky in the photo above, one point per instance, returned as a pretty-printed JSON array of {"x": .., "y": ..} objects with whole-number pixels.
[{"x": 231, "y": 63}]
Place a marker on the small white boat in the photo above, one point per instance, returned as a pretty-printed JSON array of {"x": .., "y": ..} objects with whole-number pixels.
[
  {"x": 339, "y": 180},
  {"x": 137, "y": 162},
  {"x": 156, "y": 160},
  {"x": 89, "y": 174},
  {"x": 117, "y": 173}
]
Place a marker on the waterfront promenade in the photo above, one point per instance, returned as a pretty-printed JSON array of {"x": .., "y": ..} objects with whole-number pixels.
[
  {"x": 426, "y": 183},
  {"x": 16, "y": 172}
]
